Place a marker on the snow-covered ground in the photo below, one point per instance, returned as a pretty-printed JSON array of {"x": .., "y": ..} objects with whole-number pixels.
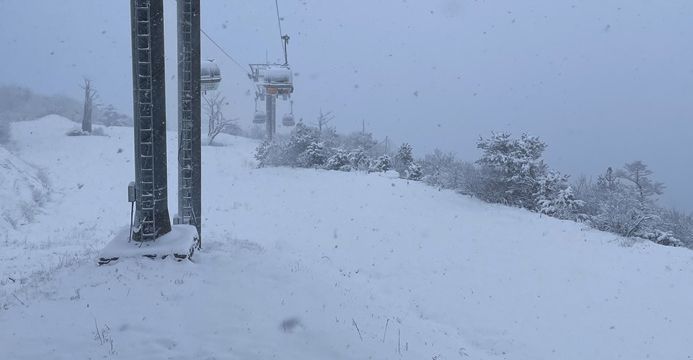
[{"x": 306, "y": 264}]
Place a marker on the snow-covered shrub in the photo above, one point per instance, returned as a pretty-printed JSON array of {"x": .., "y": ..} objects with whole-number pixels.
[
  {"x": 381, "y": 164},
  {"x": 339, "y": 161},
  {"x": 413, "y": 172},
  {"x": 270, "y": 153},
  {"x": 660, "y": 237},
  {"x": 359, "y": 160}
]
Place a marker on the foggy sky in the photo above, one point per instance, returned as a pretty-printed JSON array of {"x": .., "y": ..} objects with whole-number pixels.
[{"x": 603, "y": 82}]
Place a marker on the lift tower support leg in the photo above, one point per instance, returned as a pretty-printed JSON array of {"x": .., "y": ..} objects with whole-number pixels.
[
  {"x": 149, "y": 100},
  {"x": 189, "y": 116},
  {"x": 271, "y": 111}
]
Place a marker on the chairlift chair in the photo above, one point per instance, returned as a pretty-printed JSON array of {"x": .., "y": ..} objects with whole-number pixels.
[
  {"x": 210, "y": 76},
  {"x": 288, "y": 119}
]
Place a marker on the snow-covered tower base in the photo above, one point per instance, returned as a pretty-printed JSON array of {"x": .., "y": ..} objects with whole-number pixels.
[{"x": 178, "y": 244}]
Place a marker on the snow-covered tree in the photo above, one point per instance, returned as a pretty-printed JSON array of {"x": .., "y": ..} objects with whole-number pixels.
[
  {"x": 315, "y": 155},
  {"x": 89, "y": 96},
  {"x": 405, "y": 165},
  {"x": 301, "y": 137},
  {"x": 442, "y": 170},
  {"x": 511, "y": 169},
  {"x": 403, "y": 158},
  {"x": 556, "y": 198},
  {"x": 622, "y": 206},
  {"x": 638, "y": 175},
  {"x": 679, "y": 224},
  {"x": 216, "y": 120}
]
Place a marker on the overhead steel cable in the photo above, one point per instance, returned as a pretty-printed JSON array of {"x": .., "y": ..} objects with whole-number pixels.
[
  {"x": 224, "y": 52},
  {"x": 279, "y": 20}
]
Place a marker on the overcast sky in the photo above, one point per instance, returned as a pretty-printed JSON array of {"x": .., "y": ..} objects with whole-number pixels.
[{"x": 603, "y": 82}]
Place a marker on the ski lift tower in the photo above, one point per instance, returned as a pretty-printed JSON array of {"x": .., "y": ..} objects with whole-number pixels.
[
  {"x": 272, "y": 81},
  {"x": 189, "y": 114},
  {"x": 151, "y": 234}
]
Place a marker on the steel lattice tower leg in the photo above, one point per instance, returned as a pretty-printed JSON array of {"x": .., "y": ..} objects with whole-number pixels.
[
  {"x": 149, "y": 98},
  {"x": 189, "y": 114},
  {"x": 271, "y": 111}
]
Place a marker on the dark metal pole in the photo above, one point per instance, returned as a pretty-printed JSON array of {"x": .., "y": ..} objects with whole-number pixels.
[
  {"x": 149, "y": 99},
  {"x": 271, "y": 111},
  {"x": 189, "y": 115}
]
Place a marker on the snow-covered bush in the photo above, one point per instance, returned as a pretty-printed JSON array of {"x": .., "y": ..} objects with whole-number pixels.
[
  {"x": 359, "y": 159},
  {"x": 339, "y": 161},
  {"x": 660, "y": 237},
  {"x": 381, "y": 164},
  {"x": 309, "y": 147},
  {"x": 270, "y": 153}
]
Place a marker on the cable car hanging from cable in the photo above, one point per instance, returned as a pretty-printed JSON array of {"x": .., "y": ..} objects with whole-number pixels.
[
  {"x": 210, "y": 76},
  {"x": 288, "y": 119}
]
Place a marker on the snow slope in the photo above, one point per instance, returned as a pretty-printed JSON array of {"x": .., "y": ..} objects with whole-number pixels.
[
  {"x": 308, "y": 264},
  {"x": 22, "y": 191}
]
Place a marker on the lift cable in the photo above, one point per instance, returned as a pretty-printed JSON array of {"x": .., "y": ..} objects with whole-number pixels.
[
  {"x": 284, "y": 38},
  {"x": 224, "y": 52},
  {"x": 279, "y": 19}
]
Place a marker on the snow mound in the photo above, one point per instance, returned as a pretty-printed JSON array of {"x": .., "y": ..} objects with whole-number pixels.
[{"x": 180, "y": 243}]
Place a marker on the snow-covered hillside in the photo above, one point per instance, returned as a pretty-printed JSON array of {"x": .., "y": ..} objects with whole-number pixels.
[
  {"x": 22, "y": 191},
  {"x": 306, "y": 264}
]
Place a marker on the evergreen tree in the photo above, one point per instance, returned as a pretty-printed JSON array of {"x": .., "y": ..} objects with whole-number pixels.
[
  {"x": 381, "y": 164},
  {"x": 511, "y": 169},
  {"x": 403, "y": 159},
  {"x": 313, "y": 156}
]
